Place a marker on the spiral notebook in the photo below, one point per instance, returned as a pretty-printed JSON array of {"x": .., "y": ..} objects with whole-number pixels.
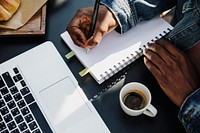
[{"x": 116, "y": 51}]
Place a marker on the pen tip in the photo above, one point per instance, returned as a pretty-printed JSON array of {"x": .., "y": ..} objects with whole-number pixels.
[{"x": 87, "y": 50}]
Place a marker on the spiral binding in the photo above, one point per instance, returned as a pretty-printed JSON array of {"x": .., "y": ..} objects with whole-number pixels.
[{"x": 131, "y": 59}]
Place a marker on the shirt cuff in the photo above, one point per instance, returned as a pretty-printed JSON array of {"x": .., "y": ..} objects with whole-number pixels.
[{"x": 189, "y": 113}]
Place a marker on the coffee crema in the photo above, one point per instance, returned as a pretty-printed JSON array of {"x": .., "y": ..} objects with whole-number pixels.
[{"x": 135, "y": 100}]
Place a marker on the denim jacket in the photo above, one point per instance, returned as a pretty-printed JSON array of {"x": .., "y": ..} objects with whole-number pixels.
[{"x": 185, "y": 34}]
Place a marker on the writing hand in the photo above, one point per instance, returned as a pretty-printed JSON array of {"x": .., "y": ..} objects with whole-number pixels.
[
  {"x": 79, "y": 26},
  {"x": 174, "y": 72}
]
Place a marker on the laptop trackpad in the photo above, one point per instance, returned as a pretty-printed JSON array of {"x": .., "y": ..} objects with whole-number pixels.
[{"x": 65, "y": 104}]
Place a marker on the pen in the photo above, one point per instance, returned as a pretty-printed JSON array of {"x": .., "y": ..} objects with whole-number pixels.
[{"x": 93, "y": 22}]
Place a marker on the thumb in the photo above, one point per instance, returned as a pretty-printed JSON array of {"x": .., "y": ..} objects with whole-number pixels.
[{"x": 95, "y": 39}]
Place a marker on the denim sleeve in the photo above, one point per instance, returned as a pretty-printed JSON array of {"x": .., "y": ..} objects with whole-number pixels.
[
  {"x": 186, "y": 32},
  {"x": 129, "y": 12},
  {"x": 189, "y": 113}
]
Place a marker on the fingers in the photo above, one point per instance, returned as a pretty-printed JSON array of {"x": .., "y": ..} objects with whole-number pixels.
[
  {"x": 157, "y": 54},
  {"x": 78, "y": 30},
  {"x": 165, "y": 50},
  {"x": 169, "y": 47},
  {"x": 100, "y": 31},
  {"x": 78, "y": 27},
  {"x": 78, "y": 37},
  {"x": 161, "y": 53},
  {"x": 152, "y": 67},
  {"x": 159, "y": 57},
  {"x": 95, "y": 39}
]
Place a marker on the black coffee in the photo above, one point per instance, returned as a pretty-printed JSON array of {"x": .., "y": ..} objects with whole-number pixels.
[{"x": 134, "y": 100}]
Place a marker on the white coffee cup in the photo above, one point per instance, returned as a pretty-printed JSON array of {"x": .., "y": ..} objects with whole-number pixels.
[{"x": 132, "y": 89}]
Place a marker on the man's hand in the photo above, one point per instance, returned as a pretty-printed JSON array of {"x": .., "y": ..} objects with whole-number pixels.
[
  {"x": 174, "y": 72},
  {"x": 80, "y": 24}
]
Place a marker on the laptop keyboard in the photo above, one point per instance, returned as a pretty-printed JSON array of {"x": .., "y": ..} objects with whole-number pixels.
[{"x": 19, "y": 112}]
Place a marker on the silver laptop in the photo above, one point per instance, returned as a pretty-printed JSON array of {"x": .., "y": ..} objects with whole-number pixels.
[{"x": 38, "y": 93}]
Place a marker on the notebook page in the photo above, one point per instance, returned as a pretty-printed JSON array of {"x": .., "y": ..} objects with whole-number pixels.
[{"x": 116, "y": 49}]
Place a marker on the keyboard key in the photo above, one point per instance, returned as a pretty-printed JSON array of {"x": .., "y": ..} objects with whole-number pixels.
[
  {"x": 27, "y": 131},
  {"x": 19, "y": 119},
  {"x": 25, "y": 111},
  {"x": 32, "y": 125},
  {"x": 2, "y": 84},
  {"x": 7, "y": 97},
  {"x": 13, "y": 90},
  {"x": 16, "y": 70},
  {"x": 25, "y": 91},
  {"x": 29, "y": 118},
  {"x": 40, "y": 118},
  {"x": 17, "y": 77},
  {"x": 36, "y": 131},
  {"x": 2, "y": 126},
  {"x": 11, "y": 104},
  {"x": 23, "y": 83},
  {"x": 2, "y": 103},
  {"x": 8, "y": 79},
  {"x": 15, "y": 111},
  {"x": 22, "y": 126},
  {"x": 11, "y": 125},
  {"x": 17, "y": 97},
  {"x": 4, "y": 91},
  {"x": 8, "y": 118},
  {"x": 15, "y": 131},
  {"x": 4, "y": 110},
  {"x": 29, "y": 98},
  {"x": 21, "y": 104}
]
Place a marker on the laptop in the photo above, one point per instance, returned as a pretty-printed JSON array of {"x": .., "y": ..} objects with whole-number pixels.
[{"x": 39, "y": 94}]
